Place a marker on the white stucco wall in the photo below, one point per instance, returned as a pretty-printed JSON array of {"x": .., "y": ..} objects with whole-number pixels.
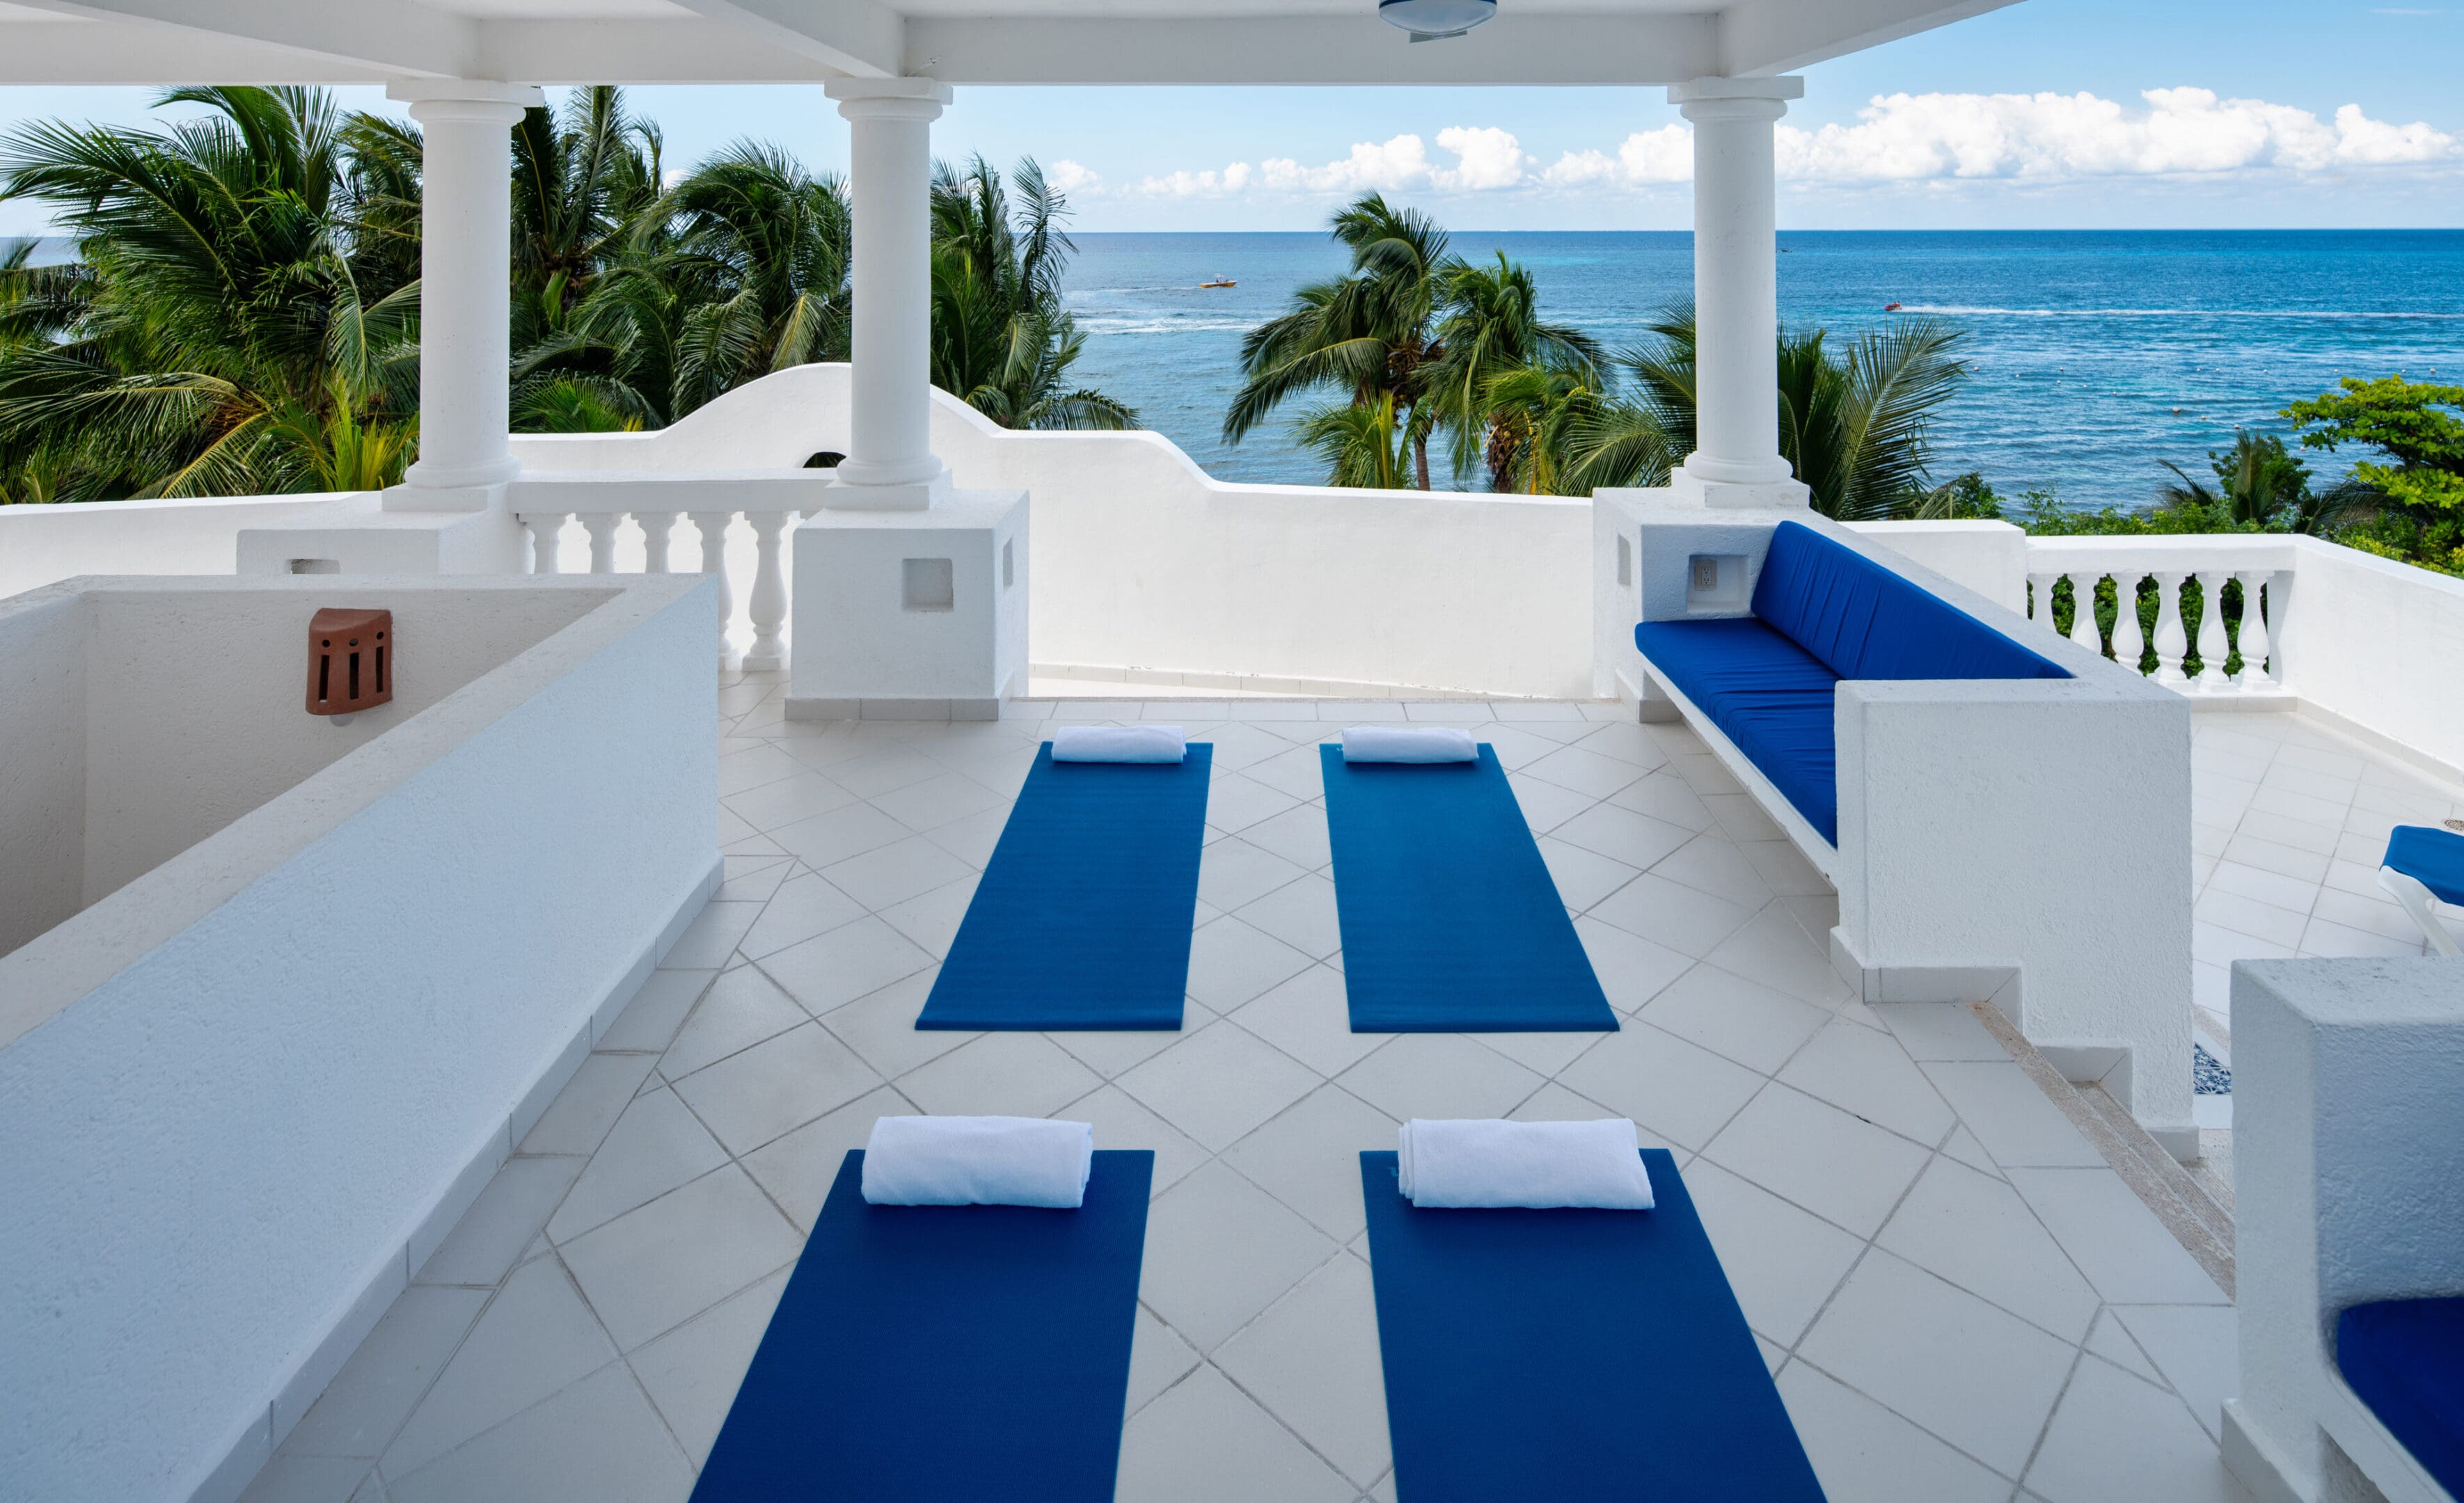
[
  {"x": 42, "y": 766},
  {"x": 2348, "y": 1169},
  {"x": 1143, "y": 561},
  {"x": 43, "y": 545},
  {"x": 1989, "y": 558},
  {"x": 195, "y": 700},
  {"x": 2380, "y": 647},
  {"x": 244, "y": 1094}
]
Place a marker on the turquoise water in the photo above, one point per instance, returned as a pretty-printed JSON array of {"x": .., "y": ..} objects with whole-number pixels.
[{"x": 2097, "y": 353}]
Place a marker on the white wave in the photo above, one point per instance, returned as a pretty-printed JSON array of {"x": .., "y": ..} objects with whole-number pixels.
[
  {"x": 1975, "y": 312},
  {"x": 1097, "y": 324}
]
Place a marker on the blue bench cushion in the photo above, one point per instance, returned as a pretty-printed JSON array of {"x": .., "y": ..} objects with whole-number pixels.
[
  {"x": 2431, "y": 856},
  {"x": 1822, "y": 613},
  {"x": 1863, "y": 621},
  {"x": 2405, "y": 1359},
  {"x": 1767, "y": 695}
]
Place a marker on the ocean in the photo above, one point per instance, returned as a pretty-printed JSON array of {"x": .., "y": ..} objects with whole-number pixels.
[{"x": 2098, "y": 355}]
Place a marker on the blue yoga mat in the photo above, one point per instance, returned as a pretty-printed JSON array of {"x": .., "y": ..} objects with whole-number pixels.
[
  {"x": 1082, "y": 920},
  {"x": 1541, "y": 1356},
  {"x": 1451, "y": 922},
  {"x": 945, "y": 1354}
]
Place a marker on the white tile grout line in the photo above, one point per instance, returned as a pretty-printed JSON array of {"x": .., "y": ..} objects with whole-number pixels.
[{"x": 1109, "y": 1079}]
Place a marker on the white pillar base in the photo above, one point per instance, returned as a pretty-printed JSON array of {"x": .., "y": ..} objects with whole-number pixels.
[
  {"x": 413, "y": 496},
  {"x": 911, "y": 615},
  {"x": 358, "y": 535},
  {"x": 915, "y": 495},
  {"x": 1783, "y": 493}
]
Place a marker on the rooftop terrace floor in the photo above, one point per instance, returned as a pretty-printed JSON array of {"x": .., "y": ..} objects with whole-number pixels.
[{"x": 1959, "y": 1297}]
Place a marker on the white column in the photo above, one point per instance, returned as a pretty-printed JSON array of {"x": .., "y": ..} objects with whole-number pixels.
[
  {"x": 1737, "y": 459},
  {"x": 890, "y": 465},
  {"x": 465, "y": 259}
]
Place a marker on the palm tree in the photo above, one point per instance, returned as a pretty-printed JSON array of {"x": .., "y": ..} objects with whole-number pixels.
[
  {"x": 1366, "y": 334},
  {"x": 2262, "y": 485},
  {"x": 1855, "y": 429},
  {"x": 583, "y": 183},
  {"x": 750, "y": 274},
  {"x": 234, "y": 330},
  {"x": 1491, "y": 327},
  {"x": 1362, "y": 443},
  {"x": 1002, "y": 341},
  {"x": 1537, "y": 416}
]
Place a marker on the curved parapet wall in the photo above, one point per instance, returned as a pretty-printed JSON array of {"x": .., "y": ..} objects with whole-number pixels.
[{"x": 1143, "y": 561}]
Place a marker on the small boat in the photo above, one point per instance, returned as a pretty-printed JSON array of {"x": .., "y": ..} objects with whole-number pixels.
[
  {"x": 1890, "y": 308},
  {"x": 1219, "y": 282}
]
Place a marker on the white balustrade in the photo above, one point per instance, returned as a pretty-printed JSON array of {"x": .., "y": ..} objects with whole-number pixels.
[
  {"x": 767, "y": 591},
  {"x": 2262, "y": 567}
]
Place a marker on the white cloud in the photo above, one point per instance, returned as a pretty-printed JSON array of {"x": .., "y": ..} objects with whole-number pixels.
[
  {"x": 1486, "y": 159},
  {"x": 1071, "y": 177},
  {"x": 1208, "y": 184},
  {"x": 1899, "y": 137},
  {"x": 1902, "y": 138},
  {"x": 1646, "y": 158}
]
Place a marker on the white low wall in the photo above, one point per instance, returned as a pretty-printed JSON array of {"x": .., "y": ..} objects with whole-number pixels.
[
  {"x": 2349, "y": 1171},
  {"x": 1143, "y": 561},
  {"x": 244, "y": 1095},
  {"x": 1989, "y": 558},
  {"x": 2379, "y": 646},
  {"x": 42, "y": 545}
]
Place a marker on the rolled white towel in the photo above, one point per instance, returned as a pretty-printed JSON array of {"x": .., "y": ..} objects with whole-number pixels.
[
  {"x": 1119, "y": 744},
  {"x": 1409, "y": 743},
  {"x": 978, "y": 1161},
  {"x": 1489, "y": 1162}
]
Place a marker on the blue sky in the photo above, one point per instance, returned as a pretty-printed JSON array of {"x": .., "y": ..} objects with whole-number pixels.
[{"x": 2263, "y": 113}]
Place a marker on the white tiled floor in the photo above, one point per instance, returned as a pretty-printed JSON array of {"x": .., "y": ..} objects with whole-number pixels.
[
  {"x": 1958, "y": 1298},
  {"x": 2290, "y": 822}
]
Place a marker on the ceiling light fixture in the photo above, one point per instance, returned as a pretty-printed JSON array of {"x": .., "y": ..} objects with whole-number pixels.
[{"x": 1429, "y": 20}]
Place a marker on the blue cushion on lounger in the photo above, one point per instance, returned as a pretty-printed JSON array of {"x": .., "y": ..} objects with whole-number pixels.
[
  {"x": 2405, "y": 1359},
  {"x": 2433, "y": 858},
  {"x": 1767, "y": 695},
  {"x": 1866, "y": 622}
]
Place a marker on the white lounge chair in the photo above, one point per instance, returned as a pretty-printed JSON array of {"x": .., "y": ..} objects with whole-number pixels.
[{"x": 2423, "y": 868}]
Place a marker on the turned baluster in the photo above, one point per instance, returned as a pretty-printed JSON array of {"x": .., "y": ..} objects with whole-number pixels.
[
  {"x": 713, "y": 528},
  {"x": 2214, "y": 646},
  {"x": 2251, "y": 637},
  {"x": 769, "y": 601},
  {"x": 601, "y": 527},
  {"x": 2171, "y": 643},
  {"x": 2129, "y": 638},
  {"x": 2084, "y": 614},
  {"x": 657, "y": 528},
  {"x": 544, "y": 531},
  {"x": 2280, "y": 604},
  {"x": 2040, "y": 601}
]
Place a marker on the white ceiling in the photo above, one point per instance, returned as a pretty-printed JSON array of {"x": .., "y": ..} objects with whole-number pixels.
[{"x": 1570, "y": 42}]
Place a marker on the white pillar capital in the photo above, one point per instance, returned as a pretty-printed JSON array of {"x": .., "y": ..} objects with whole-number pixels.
[
  {"x": 1736, "y": 460},
  {"x": 466, "y": 100},
  {"x": 465, "y": 250},
  {"x": 890, "y": 465},
  {"x": 918, "y": 100},
  {"x": 1747, "y": 92}
]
